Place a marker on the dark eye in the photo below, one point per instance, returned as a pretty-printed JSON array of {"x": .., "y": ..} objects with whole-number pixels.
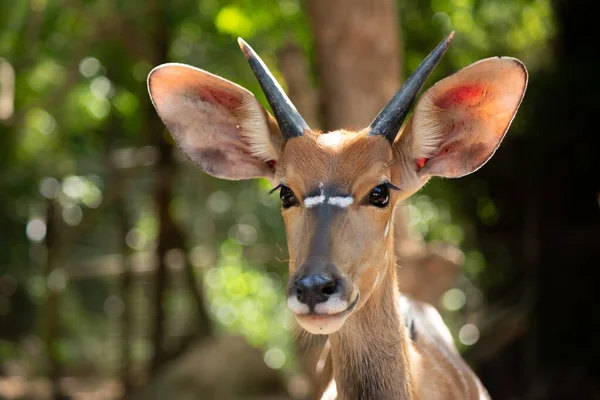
[
  {"x": 287, "y": 197},
  {"x": 380, "y": 196}
]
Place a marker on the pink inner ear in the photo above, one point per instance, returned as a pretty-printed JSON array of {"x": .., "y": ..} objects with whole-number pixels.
[
  {"x": 421, "y": 162},
  {"x": 212, "y": 95},
  {"x": 461, "y": 120},
  {"x": 218, "y": 124},
  {"x": 465, "y": 95}
]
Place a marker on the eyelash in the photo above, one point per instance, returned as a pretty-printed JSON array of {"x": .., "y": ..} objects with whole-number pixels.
[
  {"x": 379, "y": 196},
  {"x": 276, "y": 188},
  {"x": 390, "y": 185},
  {"x": 288, "y": 199}
]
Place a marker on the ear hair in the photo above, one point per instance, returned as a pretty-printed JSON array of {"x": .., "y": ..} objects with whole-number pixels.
[
  {"x": 219, "y": 125},
  {"x": 458, "y": 124},
  {"x": 407, "y": 144},
  {"x": 427, "y": 121},
  {"x": 410, "y": 146},
  {"x": 252, "y": 119}
]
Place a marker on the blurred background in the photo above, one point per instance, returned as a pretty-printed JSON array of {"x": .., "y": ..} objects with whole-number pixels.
[{"x": 127, "y": 273}]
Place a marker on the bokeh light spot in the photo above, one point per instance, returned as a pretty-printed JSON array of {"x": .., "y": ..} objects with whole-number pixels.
[
  {"x": 57, "y": 280},
  {"x": 36, "y": 230},
  {"x": 114, "y": 306},
  {"x": 72, "y": 215},
  {"x": 274, "y": 358},
  {"x": 219, "y": 202},
  {"x": 454, "y": 299},
  {"x": 468, "y": 334},
  {"x": 89, "y": 67}
]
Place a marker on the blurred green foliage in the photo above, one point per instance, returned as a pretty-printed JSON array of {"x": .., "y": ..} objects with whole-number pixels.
[{"x": 81, "y": 115}]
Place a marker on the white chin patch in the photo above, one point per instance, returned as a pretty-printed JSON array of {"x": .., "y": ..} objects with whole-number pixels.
[
  {"x": 321, "y": 324},
  {"x": 333, "y": 305},
  {"x": 297, "y": 307}
]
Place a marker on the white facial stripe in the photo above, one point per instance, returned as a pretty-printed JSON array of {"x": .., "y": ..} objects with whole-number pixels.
[
  {"x": 336, "y": 201},
  {"x": 333, "y": 305},
  {"x": 340, "y": 201},
  {"x": 314, "y": 201},
  {"x": 387, "y": 229},
  {"x": 295, "y": 305}
]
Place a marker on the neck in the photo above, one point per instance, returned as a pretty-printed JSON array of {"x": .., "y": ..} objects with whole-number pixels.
[{"x": 369, "y": 353}]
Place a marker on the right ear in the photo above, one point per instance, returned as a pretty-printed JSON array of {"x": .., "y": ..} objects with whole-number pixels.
[
  {"x": 219, "y": 125},
  {"x": 460, "y": 121}
]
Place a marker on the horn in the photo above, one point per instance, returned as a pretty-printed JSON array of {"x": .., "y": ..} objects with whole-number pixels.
[
  {"x": 390, "y": 119},
  {"x": 289, "y": 119}
]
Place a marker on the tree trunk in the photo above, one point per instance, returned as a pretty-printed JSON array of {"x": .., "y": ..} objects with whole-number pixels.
[
  {"x": 295, "y": 69},
  {"x": 160, "y": 36},
  {"x": 125, "y": 287},
  {"x": 170, "y": 235},
  {"x": 359, "y": 56},
  {"x": 50, "y": 317},
  {"x": 162, "y": 196}
]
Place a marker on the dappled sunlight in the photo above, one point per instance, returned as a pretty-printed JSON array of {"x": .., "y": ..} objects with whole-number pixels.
[
  {"x": 36, "y": 230},
  {"x": 468, "y": 334},
  {"x": 119, "y": 257},
  {"x": 460, "y": 305},
  {"x": 250, "y": 301}
]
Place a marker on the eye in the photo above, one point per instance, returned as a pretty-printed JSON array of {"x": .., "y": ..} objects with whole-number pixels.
[
  {"x": 380, "y": 195},
  {"x": 287, "y": 197}
]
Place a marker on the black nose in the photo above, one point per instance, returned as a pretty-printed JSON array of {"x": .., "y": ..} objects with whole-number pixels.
[{"x": 314, "y": 289}]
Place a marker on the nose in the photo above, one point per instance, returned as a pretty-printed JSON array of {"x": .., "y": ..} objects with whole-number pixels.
[{"x": 314, "y": 289}]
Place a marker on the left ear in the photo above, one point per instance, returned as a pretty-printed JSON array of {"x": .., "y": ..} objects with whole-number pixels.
[
  {"x": 459, "y": 123},
  {"x": 219, "y": 125}
]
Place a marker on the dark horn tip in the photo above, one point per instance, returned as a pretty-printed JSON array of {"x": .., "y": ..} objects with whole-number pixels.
[
  {"x": 446, "y": 42},
  {"x": 389, "y": 121},
  {"x": 246, "y": 49},
  {"x": 289, "y": 120}
]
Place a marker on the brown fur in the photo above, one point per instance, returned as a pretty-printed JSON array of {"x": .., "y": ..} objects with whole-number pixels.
[
  {"x": 456, "y": 127},
  {"x": 372, "y": 354},
  {"x": 305, "y": 164}
]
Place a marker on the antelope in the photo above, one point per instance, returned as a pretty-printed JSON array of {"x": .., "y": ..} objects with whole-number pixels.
[{"x": 339, "y": 191}]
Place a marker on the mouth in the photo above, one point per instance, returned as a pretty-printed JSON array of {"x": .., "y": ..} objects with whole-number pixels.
[{"x": 325, "y": 324}]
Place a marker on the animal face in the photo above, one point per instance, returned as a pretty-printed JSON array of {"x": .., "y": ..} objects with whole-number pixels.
[
  {"x": 339, "y": 189},
  {"x": 338, "y": 194}
]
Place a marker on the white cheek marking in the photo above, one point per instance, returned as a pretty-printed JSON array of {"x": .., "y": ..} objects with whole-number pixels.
[
  {"x": 332, "y": 394},
  {"x": 295, "y": 305},
  {"x": 387, "y": 229},
  {"x": 339, "y": 201},
  {"x": 314, "y": 201},
  {"x": 377, "y": 279}
]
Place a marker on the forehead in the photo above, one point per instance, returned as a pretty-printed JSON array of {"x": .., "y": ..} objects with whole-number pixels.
[{"x": 339, "y": 158}]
